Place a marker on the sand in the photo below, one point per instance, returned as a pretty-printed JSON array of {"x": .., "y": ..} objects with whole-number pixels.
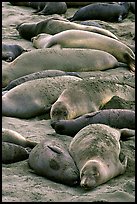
[{"x": 19, "y": 182}]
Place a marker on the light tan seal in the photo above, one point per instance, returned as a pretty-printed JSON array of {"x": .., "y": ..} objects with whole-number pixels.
[
  {"x": 88, "y": 40},
  {"x": 69, "y": 60},
  {"x": 96, "y": 151},
  {"x": 35, "y": 97},
  {"x": 55, "y": 25},
  {"x": 88, "y": 96}
]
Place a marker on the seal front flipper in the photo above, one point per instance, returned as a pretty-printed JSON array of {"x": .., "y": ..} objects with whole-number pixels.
[{"x": 55, "y": 149}]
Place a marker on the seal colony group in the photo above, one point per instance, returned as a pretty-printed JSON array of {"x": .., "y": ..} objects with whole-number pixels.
[{"x": 48, "y": 80}]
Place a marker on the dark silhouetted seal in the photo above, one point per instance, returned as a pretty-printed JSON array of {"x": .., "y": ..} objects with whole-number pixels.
[
  {"x": 88, "y": 96},
  {"x": 116, "y": 118},
  {"x": 13, "y": 153},
  {"x": 114, "y": 12},
  {"x": 97, "y": 153},
  {"x": 84, "y": 39},
  {"x": 35, "y": 97},
  {"x": 68, "y": 60},
  {"x": 10, "y": 52},
  {"x": 52, "y": 160},
  {"x": 55, "y": 25}
]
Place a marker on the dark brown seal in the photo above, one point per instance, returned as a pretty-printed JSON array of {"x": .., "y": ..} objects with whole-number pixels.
[
  {"x": 114, "y": 12},
  {"x": 52, "y": 160},
  {"x": 117, "y": 118}
]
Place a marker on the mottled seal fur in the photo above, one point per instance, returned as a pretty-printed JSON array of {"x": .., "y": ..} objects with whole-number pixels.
[
  {"x": 116, "y": 118},
  {"x": 12, "y": 136},
  {"x": 96, "y": 151},
  {"x": 69, "y": 60},
  {"x": 52, "y": 160},
  {"x": 90, "y": 40},
  {"x": 35, "y": 97},
  {"x": 13, "y": 153},
  {"x": 10, "y": 52},
  {"x": 114, "y": 12},
  {"x": 88, "y": 96},
  {"x": 37, "y": 75},
  {"x": 55, "y": 25}
]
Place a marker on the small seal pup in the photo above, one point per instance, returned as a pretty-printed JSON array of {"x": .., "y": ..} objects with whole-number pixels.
[
  {"x": 114, "y": 12},
  {"x": 35, "y": 97},
  {"x": 68, "y": 60},
  {"x": 89, "y": 40},
  {"x": 55, "y": 25},
  {"x": 12, "y": 136},
  {"x": 88, "y": 96},
  {"x": 51, "y": 159},
  {"x": 97, "y": 153},
  {"x": 116, "y": 118},
  {"x": 10, "y": 52},
  {"x": 13, "y": 153}
]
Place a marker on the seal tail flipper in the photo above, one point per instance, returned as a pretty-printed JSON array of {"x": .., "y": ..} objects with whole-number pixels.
[{"x": 123, "y": 160}]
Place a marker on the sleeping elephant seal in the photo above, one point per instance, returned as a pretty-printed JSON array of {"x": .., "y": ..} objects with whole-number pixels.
[
  {"x": 114, "y": 12},
  {"x": 56, "y": 25},
  {"x": 16, "y": 138},
  {"x": 52, "y": 160},
  {"x": 68, "y": 60},
  {"x": 10, "y": 52},
  {"x": 96, "y": 151},
  {"x": 88, "y": 96},
  {"x": 89, "y": 40},
  {"x": 117, "y": 118},
  {"x": 35, "y": 97},
  {"x": 13, "y": 153}
]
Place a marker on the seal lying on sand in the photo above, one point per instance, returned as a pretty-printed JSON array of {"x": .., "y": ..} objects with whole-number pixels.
[
  {"x": 38, "y": 75},
  {"x": 117, "y": 118},
  {"x": 34, "y": 97},
  {"x": 69, "y": 60},
  {"x": 114, "y": 12},
  {"x": 97, "y": 153},
  {"x": 88, "y": 96},
  {"x": 89, "y": 40},
  {"x": 55, "y": 25},
  {"x": 13, "y": 153},
  {"x": 16, "y": 138},
  {"x": 10, "y": 52},
  {"x": 52, "y": 160}
]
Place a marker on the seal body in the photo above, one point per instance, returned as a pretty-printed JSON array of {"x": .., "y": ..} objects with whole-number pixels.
[
  {"x": 88, "y": 96},
  {"x": 117, "y": 118},
  {"x": 10, "y": 52},
  {"x": 16, "y": 138},
  {"x": 90, "y": 40},
  {"x": 51, "y": 159},
  {"x": 114, "y": 12},
  {"x": 69, "y": 60},
  {"x": 34, "y": 97},
  {"x": 55, "y": 25},
  {"x": 96, "y": 150},
  {"x": 13, "y": 153}
]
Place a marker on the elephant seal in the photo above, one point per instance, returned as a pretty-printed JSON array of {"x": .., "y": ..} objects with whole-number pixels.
[
  {"x": 16, "y": 138},
  {"x": 13, "y": 153},
  {"x": 116, "y": 118},
  {"x": 37, "y": 75},
  {"x": 88, "y": 96},
  {"x": 89, "y": 40},
  {"x": 51, "y": 159},
  {"x": 114, "y": 12},
  {"x": 35, "y": 97},
  {"x": 49, "y": 8},
  {"x": 56, "y": 25},
  {"x": 96, "y": 151},
  {"x": 10, "y": 52},
  {"x": 69, "y": 60}
]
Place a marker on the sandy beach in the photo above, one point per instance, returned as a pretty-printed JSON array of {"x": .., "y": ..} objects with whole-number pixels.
[{"x": 19, "y": 182}]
